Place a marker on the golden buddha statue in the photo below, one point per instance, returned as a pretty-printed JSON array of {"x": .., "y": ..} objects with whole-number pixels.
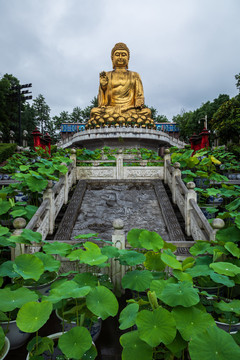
[{"x": 120, "y": 97}]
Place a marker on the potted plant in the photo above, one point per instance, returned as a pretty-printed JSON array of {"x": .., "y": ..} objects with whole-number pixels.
[{"x": 4, "y": 345}]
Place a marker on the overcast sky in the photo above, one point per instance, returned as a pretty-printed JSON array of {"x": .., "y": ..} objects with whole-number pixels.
[{"x": 186, "y": 51}]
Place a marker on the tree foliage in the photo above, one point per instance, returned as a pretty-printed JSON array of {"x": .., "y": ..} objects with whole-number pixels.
[
  {"x": 193, "y": 121},
  {"x": 226, "y": 120}
]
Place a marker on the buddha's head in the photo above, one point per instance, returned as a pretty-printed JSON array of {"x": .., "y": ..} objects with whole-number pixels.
[{"x": 120, "y": 55}]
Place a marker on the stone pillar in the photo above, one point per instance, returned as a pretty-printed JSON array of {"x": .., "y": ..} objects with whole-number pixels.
[
  {"x": 176, "y": 172},
  {"x": 217, "y": 224},
  {"x": 1, "y": 136},
  {"x": 118, "y": 270},
  {"x": 73, "y": 157},
  {"x": 191, "y": 194},
  {"x": 18, "y": 224},
  {"x": 167, "y": 156},
  {"x": 25, "y": 134},
  {"x": 119, "y": 165},
  {"x": 12, "y": 134},
  {"x": 48, "y": 194},
  {"x": 66, "y": 187}
]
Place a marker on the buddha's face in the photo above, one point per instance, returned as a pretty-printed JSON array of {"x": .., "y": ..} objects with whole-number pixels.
[{"x": 120, "y": 59}]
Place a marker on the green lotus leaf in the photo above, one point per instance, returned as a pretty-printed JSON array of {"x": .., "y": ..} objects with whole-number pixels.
[
  {"x": 222, "y": 279},
  {"x": 86, "y": 279},
  {"x": 90, "y": 354},
  {"x": 225, "y": 268},
  {"x": 151, "y": 240},
  {"x": 36, "y": 184},
  {"x": 17, "y": 213},
  {"x": 86, "y": 236},
  {"x": 156, "y": 326},
  {"x": 182, "y": 276},
  {"x": 110, "y": 251},
  {"x": 33, "y": 315},
  {"x": 5, "y": 242},
  {"x": 67, "y": 289},
  {"x": 135, "y": 348},
  {"x": 213, "y": 344},
  {"x": 169, "y": 246},
  {"x": 75, "y": 255},
  {"x": 199, "y": 270},
  {"x": 191, "y": 321},
  {"x": 75, "y": 342},
  {"x": 92, "y": 255},
  {"x": 138, "y": 280},
  {"x": 132, "y": 258},
  {"x": 3, "y": 317},
  {"x": 182, "y": 294},
  {"x": 6, "y": 269},
  {"x": 237, "y": 221},
  {"x": 28, "y": 266},
  {"x": 102, "y": 302},
  {"x": 232, "y": 306},
  {"x": 13, "y": 299},
  {"x": 32, "y": 236},
  {"x": 128, "y": 316},
  {"x": 30, "y": 209},
  {"x": 2, "y": 339},
  {"x": 171, "y": 261},
  {"x": 3, "y": 230},
  {"x": 4, "y": 206},
  {"x": 159, "y": 285},
  {"x": 57, "y": 248},
  {"x": 49, "y": 263},
  {"x": 153, "y": 261},
  {"x": 133, "y": 238},
  {"x": 229, "y": 234},
  {"x": 61, "y": 168},
  {"x": 177, "y": 346},
  {"x": 233, "y": 249},
  {"x": 188, "y": 263},
  {"x": 200, "y": 248}
]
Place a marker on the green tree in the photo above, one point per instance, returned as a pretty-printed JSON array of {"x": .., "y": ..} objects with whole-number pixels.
[
  {"x": 157, "y": 118},
  {"x": 42, "y": 113},
  {"x": 193, "y": 121},
  {"x": 9, "y": 106},
  {"x": 226, "y": 120},
  {"x": 237, "y": 77}
]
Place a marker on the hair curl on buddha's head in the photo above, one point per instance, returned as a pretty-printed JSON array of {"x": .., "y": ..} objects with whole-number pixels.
[{"x": 120, "y": 46}]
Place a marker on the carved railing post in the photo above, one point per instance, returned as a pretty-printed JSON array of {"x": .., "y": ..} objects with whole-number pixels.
[
  {"x": 119, "y": 165},
  {"x": 66, "y": 185},
  {"x": 167, "y": 157},
  {"x": 217, "y": 224},
  {"x": 48, "y": 194},
  {"x": 176, "y": 172},
  {"x": 191, "y": 194},
  {"x": 118, "y": 239},
  {"x": 18, "y": 224},
  {"x": 73, "y": 157}
]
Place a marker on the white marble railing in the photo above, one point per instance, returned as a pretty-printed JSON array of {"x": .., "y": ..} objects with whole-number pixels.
[{"x": 184, "y": 196}]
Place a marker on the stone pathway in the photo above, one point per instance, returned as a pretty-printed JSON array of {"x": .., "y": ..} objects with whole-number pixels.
[{"x": 135, "y": 203}]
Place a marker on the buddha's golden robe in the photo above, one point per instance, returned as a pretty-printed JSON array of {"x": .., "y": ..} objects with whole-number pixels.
[{"x": 122, "y": 95}]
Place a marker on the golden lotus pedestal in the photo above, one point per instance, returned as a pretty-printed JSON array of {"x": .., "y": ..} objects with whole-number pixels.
[{"x": 120, "y": 120}]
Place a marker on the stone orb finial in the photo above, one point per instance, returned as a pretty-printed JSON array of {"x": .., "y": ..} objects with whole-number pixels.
[
  {"x": 218, "y": 223},
  {"x": 73, "y": 151},
  {"x": 118, "y": 224},
  {"x": 177, "y": 165},
  {"x": 19, "y": 223},
  {"x": 166, "y": 151},
  {"x": 191, "y": 185}
]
